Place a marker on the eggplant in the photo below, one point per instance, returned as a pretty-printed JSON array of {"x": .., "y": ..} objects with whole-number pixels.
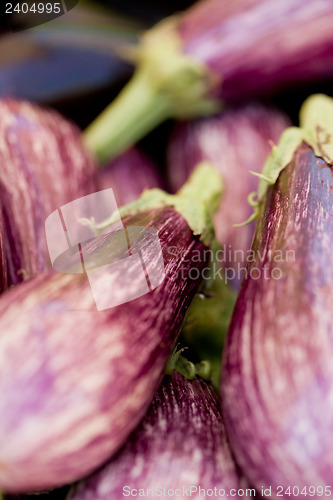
[
  {"x": 129, "y": 175},
  {"x": 3, "y": 265},
  {"x": 75, "y": 381},
  {"x": 237, "y": 142},
  {"x": 179, "y": 446},
  {"x": 43, "y": 165},
  {"x": 216, "y": 51},
  {"x": 277, "y": 369}
]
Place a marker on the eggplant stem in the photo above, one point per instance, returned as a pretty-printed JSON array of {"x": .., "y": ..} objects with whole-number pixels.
[
  {"x": 167, "y": 84},
  {"x": 138, "y": 109}
]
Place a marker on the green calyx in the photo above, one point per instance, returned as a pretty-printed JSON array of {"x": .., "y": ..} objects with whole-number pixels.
[
  {"x": 186, "y": 368},
  {"x": 197, "y": 201},
  {"x": 167, "y": 84},
  {"x": 316, "y": 130}
]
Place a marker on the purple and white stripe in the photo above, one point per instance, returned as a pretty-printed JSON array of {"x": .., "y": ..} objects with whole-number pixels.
[
  {"x": 75, "y": 382},
  {"x": 236, "y": 142},
  {"x": 277, "y": 374},
  {"x": 180, "y": 444},
  {"x": 258, "y": 46}
]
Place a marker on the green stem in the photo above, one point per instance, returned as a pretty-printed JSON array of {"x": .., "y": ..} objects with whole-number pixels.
[
  {"x": 138, "y": 109},
  {"x": 167, "y": 83}
]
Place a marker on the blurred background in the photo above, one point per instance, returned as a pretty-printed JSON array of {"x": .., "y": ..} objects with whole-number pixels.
[{"x": 71, "y": 63}]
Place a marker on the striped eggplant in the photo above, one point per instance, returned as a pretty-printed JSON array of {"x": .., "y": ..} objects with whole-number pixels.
[
  {"x": 129, "y": 175},
  {"x": 217, "y": 50},
  {"x": 75, "y": 381},
  {"x": 3, "y": 266},
  {"x": 179, "y": 446},
  {"x": 277, "y": 375},
  {"x": 236, "y": 142},
  {"x": 43, "y": 165}
]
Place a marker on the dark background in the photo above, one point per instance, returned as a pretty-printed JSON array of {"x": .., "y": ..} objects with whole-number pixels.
[{"x": 107, "y": 73}]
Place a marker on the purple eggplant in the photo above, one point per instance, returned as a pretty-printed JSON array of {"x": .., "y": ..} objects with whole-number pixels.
[
  {"x": 216, "y": 51},
  {"x": 277, "y": 371},
  {"x": 180, "y": 445},
  {"x": 237, "y": 143},
  {"x": 129, "y": 175},
  {"x": 3, "y": 266},
  {"x": 75, "y": 382},
  {"x": 43, "y": 165}
]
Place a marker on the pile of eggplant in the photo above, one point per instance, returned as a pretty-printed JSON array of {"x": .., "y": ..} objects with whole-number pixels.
[{"x": 215, "y": 377}]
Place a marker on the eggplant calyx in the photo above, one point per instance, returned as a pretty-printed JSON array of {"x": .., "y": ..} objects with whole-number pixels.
[
  {"x": 196, "y": 201},
  {"x": 316, "y": 130},
  {"x": 316, "y": 119}
]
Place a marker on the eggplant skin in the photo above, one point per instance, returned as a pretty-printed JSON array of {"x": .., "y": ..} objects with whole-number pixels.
[
  {"x": 3, "y": 266},
  {"x": 237, "y": 142},
  {"x": 129, "y": 175},
  {"x": 43, "y": 165},
  {"x": 277, "y": 368},
  {"x": 75, "y": 382},
  {"x": 257, "y": 47},
  {"x": 181, "y": 443}
]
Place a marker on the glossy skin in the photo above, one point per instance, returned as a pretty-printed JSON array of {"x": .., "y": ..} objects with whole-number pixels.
[
  {"x": 236, "y": 142},
  {"x": 129, "y": 175},
  {"x": 258, "y": 46},
  {"x": 74, "y": 382},
  {"x": 277, "y": 369},
  {"x": 180, "y": 443},
  {"x": 43, "y": 166}
]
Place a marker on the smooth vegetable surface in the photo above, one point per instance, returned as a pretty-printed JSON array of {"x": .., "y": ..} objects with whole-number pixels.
[
  {"x": 216, "y": 51},
  {"x": 180, "y": 444},
  {"x": 277, "y": 372},
  {"x": 266, "y": 40},
  {"x": 74, "y": 382},
  {"x": 43, "y": 165}
]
